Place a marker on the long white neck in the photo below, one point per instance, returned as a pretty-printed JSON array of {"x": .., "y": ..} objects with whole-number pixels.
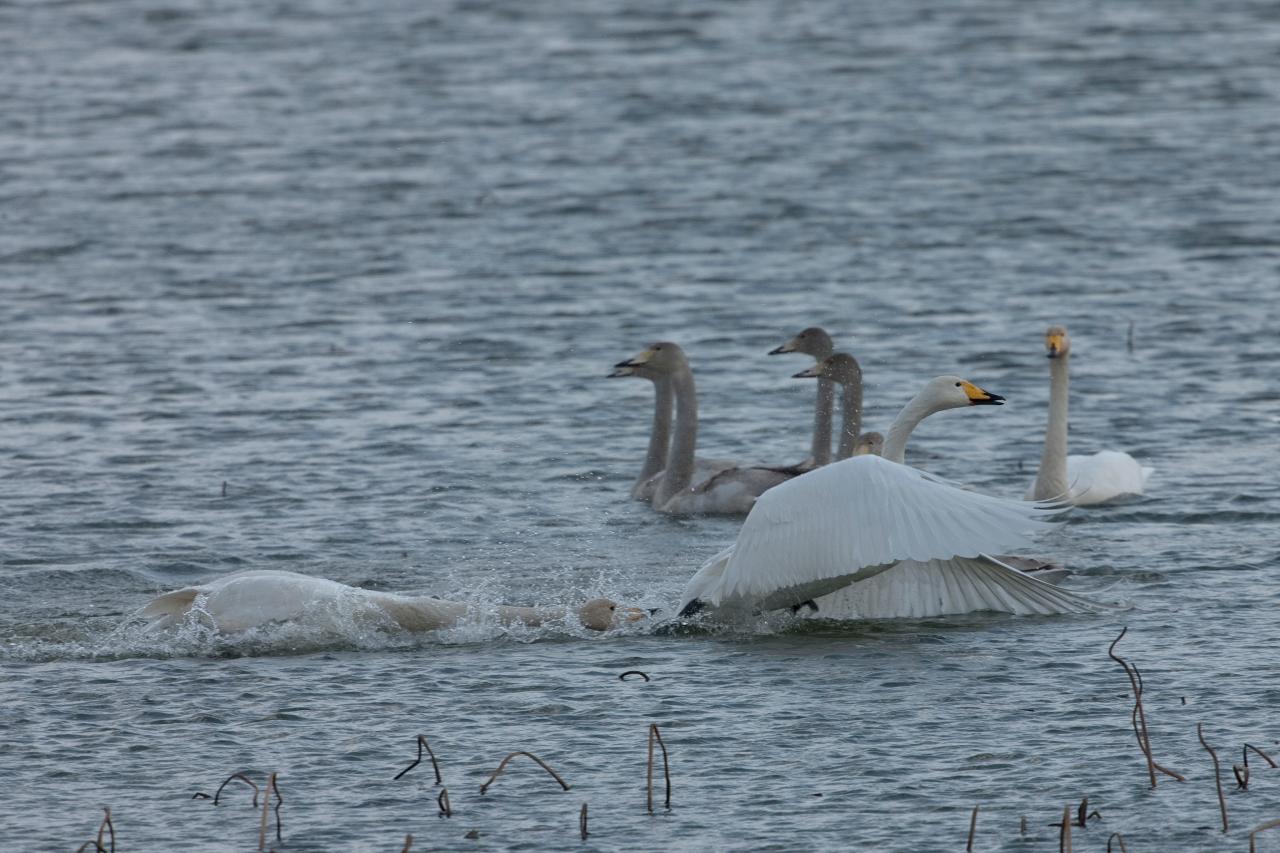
[
  {"x": 660, "y": 437},
  {"x": 423, "y": 613},
  {"x": 1051, "y": 479},
  {"x": 822, "y": 412},
  {"x": 851, "y": 418},
  {"x": 920, "y": 407},
  {"x": 679, "y": 473}
]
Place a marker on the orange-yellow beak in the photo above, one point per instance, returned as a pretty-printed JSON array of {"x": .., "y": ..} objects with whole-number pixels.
[{"x": 979, "y": 397}]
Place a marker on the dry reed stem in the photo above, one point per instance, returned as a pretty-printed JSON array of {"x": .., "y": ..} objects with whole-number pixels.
[
  {"x": 973, "y": 826},
  {"x": 408, "y": 842},
  {"x": 1268, "y": 825},
  {"x": 1082, "y": 812},
  {"x": 1064, "y": 834},
  {"x": 443, "y": 802},
  {"x": 107, "y": 825},
  {"x": 1143, "y": 743},
  {"x": 266, "y": 801},
  {"x": 624, "y": 675},
  {"x": 1242, "y": 776},
  {"x": 422, "y": 742},
  {"x": 582, "y": 822},
  {"x": 1249, "y": 746},
  {"x": 1217, "y": 777},
  {"x": 541, "y": 763},
  {"x": 654, "y": 734},
  {"x": 243, "y": 778},
  {"x": 1119, "y": 840}
]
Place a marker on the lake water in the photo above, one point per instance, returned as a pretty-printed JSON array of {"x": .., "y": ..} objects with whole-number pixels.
[{"x": 333, "y": 287}]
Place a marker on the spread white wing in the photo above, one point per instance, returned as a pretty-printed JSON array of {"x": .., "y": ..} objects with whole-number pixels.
[{"x": 854, "y": 519}]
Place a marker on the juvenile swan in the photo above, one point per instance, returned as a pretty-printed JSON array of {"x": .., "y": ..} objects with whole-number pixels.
[
  {"x": 250, "y": 599},
  {"x": 816, "y": 342},
  {"x": 840, "y": 525},
  {"x": 843, "y": 370},
  {"x": 732, "y": 490},
  {"x": 1081, "y": 480},
  {"x": 655, "y": 459}
]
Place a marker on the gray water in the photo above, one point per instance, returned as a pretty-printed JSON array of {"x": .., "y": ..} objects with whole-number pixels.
[{"x": 367, "y": 264}]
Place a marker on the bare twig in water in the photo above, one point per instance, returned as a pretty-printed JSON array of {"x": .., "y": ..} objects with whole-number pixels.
[
  {"x": 97, "y": 848},
  {"x": 1249, "y": 746},
  {"x": 582, "y": 822},
  {"x": 1064, "y": 834},
  {"x": 624, "y": 675},
  {"x": 1242, "y": 776},
  {"x": 408, "y": 842},
  {"x": 443, "y": 802},
  {"x": 1022, "y": 826},
  {"x": 243, "y": 778},
  {"x": 1082, "y": 812},
  {"x": 279, "y": 802},
  {"x": 654, "y": 734},
  {"x": 1140, "y": 715},
  {"x": 422, "y": 744},
  {"x": 1119, "y": 840},
  {"x": 109, "y": 827},
  {"x": 262, "y": 825},
  {"x": 1217, "y": 777},
  {"x": 201, "y": 795},
  {"x": 1268, "y": 825},
  {"x": 973, "y": 826},
  {"x": 541, "y": 763}
]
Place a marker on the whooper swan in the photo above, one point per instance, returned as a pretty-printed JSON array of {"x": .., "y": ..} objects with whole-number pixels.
[{"x": 816, "y": 342}]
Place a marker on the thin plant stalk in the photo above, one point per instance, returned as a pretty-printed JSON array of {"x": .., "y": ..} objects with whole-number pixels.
[
  {"x": 541, "y": 763},
  {"x": 655, "y": 735},
  {"x": 1217, "y": 776},
  {"x": 422, "y": 744},
  {"x": 243, "y": 778},
  {"x": 973, "y": 826}
]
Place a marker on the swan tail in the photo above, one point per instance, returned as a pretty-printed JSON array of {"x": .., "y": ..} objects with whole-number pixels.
[
  {"x": 1146, "y": 474},
  {"x": 165, "y": 611}
]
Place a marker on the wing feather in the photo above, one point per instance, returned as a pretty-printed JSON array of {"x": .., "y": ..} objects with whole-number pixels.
[{"x": 856, "y": 514}]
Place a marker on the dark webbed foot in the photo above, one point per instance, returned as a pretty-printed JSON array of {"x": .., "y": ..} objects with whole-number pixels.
[{"x": 811, "y": 604}]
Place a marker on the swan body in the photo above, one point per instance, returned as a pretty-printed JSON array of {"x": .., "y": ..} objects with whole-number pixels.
[
  {"x": 250, "y": 599},
  {"x": 655, "y": 459},
  {"x": 843, "y": 370},
  {"x": 867, "y": 517},
  {"x": 678, "y": 492},
  {"x": 1079, "y": 480},
  {"x": 815, "y": 341}
]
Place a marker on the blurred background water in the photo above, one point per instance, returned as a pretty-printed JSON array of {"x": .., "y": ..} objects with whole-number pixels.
[{"x": 332, "y": 287}]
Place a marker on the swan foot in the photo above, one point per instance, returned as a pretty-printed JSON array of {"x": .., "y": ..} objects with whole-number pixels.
[
  {"x": 691, "y": 608},
  {"x": 811, "y": 604}
]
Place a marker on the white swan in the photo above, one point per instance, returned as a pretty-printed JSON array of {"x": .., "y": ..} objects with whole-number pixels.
[
  {"x": 844, "y": 524},
  {"x": 655, "y": 459},
  {"x": 251, "y": 599},
  {"x": 816, "y": 342},
  {"x": 1080, "y": 480},
  {"x": 732, "y": 490},
  {"x": 842, "y": 369}
]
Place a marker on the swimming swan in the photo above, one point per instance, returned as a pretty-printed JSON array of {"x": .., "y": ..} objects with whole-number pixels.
[
  {"x": 1080, "y": 480},
  {"x": 250, "y": 599},
  {"x": 848, "y": 522},
  {"x": 816, "y": 342},
  {"x": 843, "y": 370},
  {"x": 732, "y": 490},
  {"x": 655, "y": 459}
]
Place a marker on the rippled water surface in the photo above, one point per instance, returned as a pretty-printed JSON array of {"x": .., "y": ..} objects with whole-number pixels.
[{"x": 333, "y": 287}]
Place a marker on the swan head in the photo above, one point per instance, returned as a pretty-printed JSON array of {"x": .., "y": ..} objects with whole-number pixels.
[
  {"x": 869, "y": 443},
  {"x": 952, "y": 392},
  {"x": 841, "y": 367},
  {"x": 659, "y": 358},
  {"x": 601, "y": 614},
  {"x": 640, "y": 371},
  {"x": 1057, "y": 342},
  {"x": 812, "y": 341}
]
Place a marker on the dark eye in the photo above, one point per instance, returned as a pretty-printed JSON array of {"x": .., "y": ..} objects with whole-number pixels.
[
  {"x": 957, "y": 384},
  {"x": 613, "y": 607}
]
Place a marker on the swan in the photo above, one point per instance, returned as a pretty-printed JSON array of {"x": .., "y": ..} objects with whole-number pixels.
[
  {"x": 731, "y": 490},
  {"x": 250, "y": 599},
  {"x": 1079, "y": 480},
  {"x": 850, "y": 522},
  {"x": 655, "y": 459},
  {"x": 816, "y": 342},
  {"x": 869, "y": 442},
  {"x": 842, "y": 369}
]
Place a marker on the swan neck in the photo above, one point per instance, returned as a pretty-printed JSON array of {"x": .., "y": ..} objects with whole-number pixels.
[
  {"x": 822, "y": 412},
  {"x": 851, "y": 418},
  {"x": 1051, "y": 478},
  {"x": 895, "y": 444},
  {"x": 660, "y": 436},
  {"x": 679, "y": 473}
]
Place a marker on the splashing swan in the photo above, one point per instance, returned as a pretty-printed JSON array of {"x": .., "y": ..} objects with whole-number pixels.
[
  {"x": 251, "y": 599},
  {"x": 869, "y": 519},
  {"x": 731, "y": 490},
  {"x": 816, "y": 342},
  {"x": 1080, "y": 480}
]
